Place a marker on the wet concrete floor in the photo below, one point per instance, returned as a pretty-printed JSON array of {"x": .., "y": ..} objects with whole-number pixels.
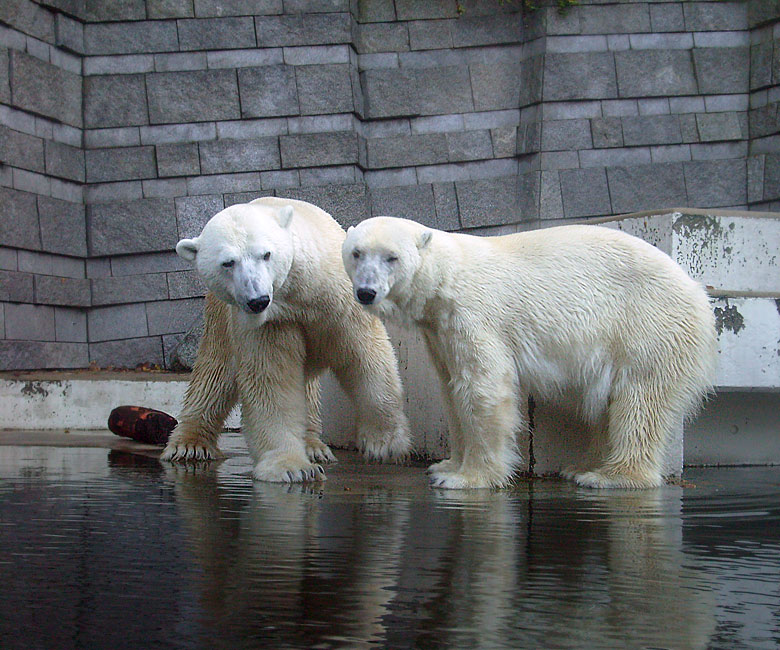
[{"x": 102, "y": 546}]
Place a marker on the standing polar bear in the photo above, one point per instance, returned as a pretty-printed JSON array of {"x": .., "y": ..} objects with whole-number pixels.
[
  {"x": 573, "y": 308},
  {"x": 280, "y": 311}
]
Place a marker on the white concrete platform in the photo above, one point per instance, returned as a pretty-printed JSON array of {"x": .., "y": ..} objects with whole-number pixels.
[{"x": 735, "y": 254}]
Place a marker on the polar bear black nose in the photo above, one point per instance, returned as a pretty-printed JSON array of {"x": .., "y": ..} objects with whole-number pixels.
[
  {"x": 258, "y": 304},
  {"x": 366, "y": 296}
]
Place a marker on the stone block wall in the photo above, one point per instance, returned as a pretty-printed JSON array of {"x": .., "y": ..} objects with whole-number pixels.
[{"x": 125, "y": 125}]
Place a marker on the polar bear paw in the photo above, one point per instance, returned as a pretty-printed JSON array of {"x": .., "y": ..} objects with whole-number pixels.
[
  {"x": 601, "y": 480},
  {"x": 184, "y": 451},
  {"x": 447, "y": 466},
  {"x": 317, "y": 451},
  {"x": 287, "y": 468},
  {"x": 394, "y": 449}
]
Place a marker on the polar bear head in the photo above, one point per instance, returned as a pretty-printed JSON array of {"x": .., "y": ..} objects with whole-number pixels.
[
  {"x": 382, "y": 255},
  {"x": 244, "y": 254}
]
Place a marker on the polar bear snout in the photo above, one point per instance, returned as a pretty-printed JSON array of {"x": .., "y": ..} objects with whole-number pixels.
[
  {"x": 365, "y": 296},
  {"x": 256, "y": 305}
]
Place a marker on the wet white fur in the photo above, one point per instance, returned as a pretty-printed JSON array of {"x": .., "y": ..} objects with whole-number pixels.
[
  {"x": 575, "y": 309},
  {"x": 270, "y": 362}
]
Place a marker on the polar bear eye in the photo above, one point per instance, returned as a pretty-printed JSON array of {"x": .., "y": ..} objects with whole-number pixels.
[
  {"x": 392, "y": 259},
  {"x": 229, "y": 264},
  {"x": 267, "y": 256},
  {"x": 356, "y": 254}
]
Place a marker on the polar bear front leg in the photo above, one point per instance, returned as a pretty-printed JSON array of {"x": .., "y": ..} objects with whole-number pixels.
[
  {"x": 211, "y": 393},
  {"x": 452, "y": 463},
  {"x": 274, "y": 406},
  {"x": 484, "y": 396},
  {"x": 316, "y": 450}
]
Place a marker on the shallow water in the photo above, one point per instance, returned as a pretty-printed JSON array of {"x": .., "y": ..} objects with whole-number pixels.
[{"x": 102, "y": 548}]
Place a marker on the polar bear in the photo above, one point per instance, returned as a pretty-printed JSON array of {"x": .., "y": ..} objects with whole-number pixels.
[
  {"x": 577, "y": 309},
  {"x": 280, "y": 311}
]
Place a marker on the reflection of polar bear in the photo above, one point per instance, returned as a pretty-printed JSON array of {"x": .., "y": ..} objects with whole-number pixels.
[
  {"x": 573, "y": 307},
  {"x": 280, "y": 311}
]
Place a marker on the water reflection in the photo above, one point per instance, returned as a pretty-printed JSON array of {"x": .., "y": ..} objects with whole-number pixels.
[{"x": 171, "y": 556}]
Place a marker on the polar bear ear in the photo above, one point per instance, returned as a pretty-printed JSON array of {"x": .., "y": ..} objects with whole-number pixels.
[
  {"x": 187, "y": 249},
  {"x": 424, "y": 239},
  {"x": 285, "y": 215},
  {"x": 350, "y": 229}
]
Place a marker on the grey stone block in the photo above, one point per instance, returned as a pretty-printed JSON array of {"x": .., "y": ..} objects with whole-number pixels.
[
  {"x": 446, "y": 202},
  {"x": 561, "y": 160},
  {"x": 28, "y": 18},
  {"x": 68, "y": 292},
  {"x": 140, "y": 37},
  {"x": 316, "y": 55},
  {"x": 498, "y": 29},
  {"x": 192, "y": 96},
  {"x": 550, "y": 197},
  {"x": 369, "y": 11},
  {"x": 115, "y": 101},
  {"x": 408, "y": 201},
  {"x": 755, "y": 178},
  {"x": 324, "y": 89},
  {"x": 488, "y": 202},
  {"x": 771, "y": 177},
  {"x": 671, "y": 153},
  {"x": 404, "y": 151},
  {"x": 646, "y": 187},
  {"x": 224, "y": 183},
  {"x": 112, "y": 10},
  {"x": 16, "y": 287},
  {"x": 607, "y": 132},
  {"x": 120, "y": 228},
  {"x": 159, "y": 9},
  {"x": 315, "y": 149},
  {"x": 107, "y": 192},
  {"x": 382, "y": 37},
  {"x": 430, "y": 34},
  {"x": 615, "y": 19},
  {"x": 469, "y": 145},
  {"x": 268, "y": 91},
  {"x": 667, "y": 17},
  {"x": 70, "y": 325},
  {"x": 414, "y": 10},
  {"x": 128, "y": 353},
  {"x": 589, "y": 75},
  {"x": 216, "y": 33},
  {"x": 714, "y": 183},
  {"x": 181, "y": 61},
  {"x": 5, "y": 83},
  {"x": 416, "y": 91},
  {"x": 35, "y": 355},
  {"x": 762, "y": 11},
  {"x": 216, "y": 8},
  {"x": 185, "y": 284},
  {"x": 566, "y": 135},
  {"x": 689, "y": 129},
  {"x": 347, "y": 204},
  {"x": 192, "y": 213},
  {"x": 127, "y": 64},
  {"x": 125, "y": 164},
  {"x": 129, "y": 289},
  {"x": 655, "y": 73},
  {"x": 181, "y": 349},
  {"x": 172, "y": 316},
  {"x": 715, "y": 16},
  {"x": 281, "y": 179},
  {"x": 651, "y": 129},
  {"x": 34, "y": 262},
  {"x": 21, "y": 150},
  {"x": 116, "y": 322},
  {"x": 529, "y": 138},
  {"x": 303, "y": 29},
  {"x": 229, "y": 156},
  {"x": 63, "y": 226},
  {"x": 148, "y": 263},
  {"x": 29, "y": 322},
  {"x": 504, "y": 140},
  {"x": 763, "y": 121},
  {"x": 177, "y": 160},
  {"x": 339, "y": 175},
  {"x": 170, "y": 187},
  {"x": 8, "y": 259},
  {"x": 20, "y": 223},
  {"x": 531, "y": 76},
  {"x": 116, "y": 137},
  {"x": 495, "y": 86},
  {"x": 44, "y": 89},
  {"x": 715, "y": 127},
  {"x": 98, "y": 268},
  {"x": 722, "y": 69},
  {"x": 761, "y": 55},
  {"x": 584, "y": 192},
  {"x": 65, "y": 161}
]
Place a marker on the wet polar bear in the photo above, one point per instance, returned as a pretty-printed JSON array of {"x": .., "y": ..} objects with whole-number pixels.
[
  {"x": 280, "y": 311},
  {"x": 573, "y": 308}
]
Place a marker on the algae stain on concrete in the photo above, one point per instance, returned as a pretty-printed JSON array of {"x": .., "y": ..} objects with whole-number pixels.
[
  {"x": 728, "y": 318},
  {"x": 34, "y": 389}
]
